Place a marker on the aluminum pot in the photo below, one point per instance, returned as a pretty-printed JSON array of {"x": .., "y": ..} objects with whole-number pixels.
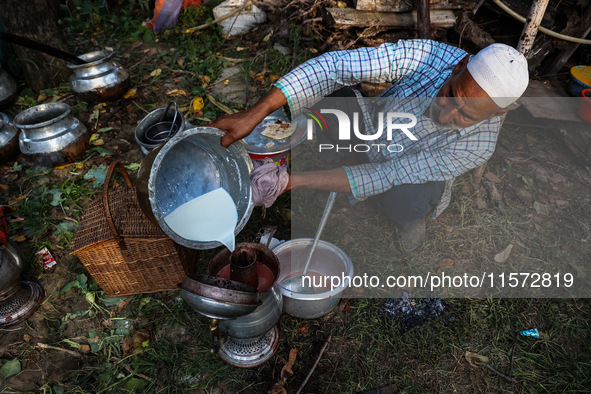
[
  {"x": 8, "y": 139},
  {"x": 8, "y": 89},
  {"x": 189, "y": 165},
  {"x": 328, "y": 261},
  {"x": 50, "y": 135},
  {"x": 11, "y": 266},
  {"x": 166, "y": 116},
  {"x": 100, "y": 79}
]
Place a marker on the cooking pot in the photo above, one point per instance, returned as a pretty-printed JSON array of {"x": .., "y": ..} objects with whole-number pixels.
[
  {"x": 311, "y": 302},
  {"x": 50, "y": 135},
  {"x": 11, "y": 266},
  {"x": 8, "y": 139},
  {"x": 189, "y": 165},
  {"x": 159, "y": 126},
  {"x": 100, "y": 79},
  {"x": 8, "y": 89}
]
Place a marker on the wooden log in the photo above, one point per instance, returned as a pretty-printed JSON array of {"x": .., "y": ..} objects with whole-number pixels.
[
  {"x": 405, "y": 5},
  {"x": 350, "y": 17},
  {"x": 530, "y": 30},
  {"x": 423, "y": 19},
  {"x": 469, "y": 30}
]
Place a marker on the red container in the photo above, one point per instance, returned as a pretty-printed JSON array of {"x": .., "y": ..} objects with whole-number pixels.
[{"x": 585, "y": 106}]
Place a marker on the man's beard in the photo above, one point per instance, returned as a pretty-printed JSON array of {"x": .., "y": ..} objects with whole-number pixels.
[{"x": 434, "y": 112}]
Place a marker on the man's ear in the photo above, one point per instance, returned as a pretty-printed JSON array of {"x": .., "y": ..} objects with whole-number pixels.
[{"x": 461, "y": 64}]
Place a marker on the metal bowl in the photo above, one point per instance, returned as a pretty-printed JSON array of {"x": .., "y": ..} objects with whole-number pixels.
[
  {"x": 100, "y": 79},
  {"x": 189, "y": 165},
  {"x": 154, "y": 118},
  {"x": 256, "y": 144},
  {"x": 8, "y": 139},
  {"x": 8, "y": 89},
  {"x": 328, "y": 260},
  {"x": 219, "y": 298},
  {"x": 50, "y": 135}
]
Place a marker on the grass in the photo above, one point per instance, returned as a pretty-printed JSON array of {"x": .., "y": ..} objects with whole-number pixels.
[{"x": 155, "y": 343}]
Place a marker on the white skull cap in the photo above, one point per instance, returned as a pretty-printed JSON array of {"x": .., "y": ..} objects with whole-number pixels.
[{"x": 501, "y": 71}]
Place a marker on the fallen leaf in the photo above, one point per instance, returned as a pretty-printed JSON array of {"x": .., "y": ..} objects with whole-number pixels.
[
  {"x": 475, "y": 359},
  {"x": 180, "y": 61},
  {"x": 19, "y": 238},
  {"x": 502, "y": 256},
  {"x": 274, "y": 78},
  {"x": 10, "y": 368},
  {"x": 303, "y": 328},
  {"x": 176, "y": 92},
  {"x": 341, "y": 4},
  {"x": 156, "y": 72},
  {"x": 446, "y": 263},
  {"x": 449, "y": 229},
  {"x": 130, "y": 93},
  {"x": 84, "y": 349},
  {"x": 492, "y": 177},
  {"x": 42, "y": 97},
  {"x": 93, "y": 138},
  {"x": 98, "y": 142},
  {"x": 286, "y": 371},
  {"x": 197, "y": 103},
  {"x": 268, "y": 36},
  {"x": 27, "y": 337},
  {"x": 541, "y": 209}
]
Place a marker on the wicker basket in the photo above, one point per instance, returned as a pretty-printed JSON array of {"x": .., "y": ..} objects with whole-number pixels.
[{"x": 125, "y": 252}]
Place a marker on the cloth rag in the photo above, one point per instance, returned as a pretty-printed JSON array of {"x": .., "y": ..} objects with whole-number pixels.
[{"x": 268, "y": 181}]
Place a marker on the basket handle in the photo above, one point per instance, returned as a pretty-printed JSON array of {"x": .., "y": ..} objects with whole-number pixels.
[{"x": 129, "y": 184}]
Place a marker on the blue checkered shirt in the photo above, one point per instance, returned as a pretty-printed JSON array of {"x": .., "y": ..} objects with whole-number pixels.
[{"x": 417, "y": 69}]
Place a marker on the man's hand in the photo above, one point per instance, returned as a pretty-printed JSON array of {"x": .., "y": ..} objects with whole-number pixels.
[{"x": 241, "y": 124}]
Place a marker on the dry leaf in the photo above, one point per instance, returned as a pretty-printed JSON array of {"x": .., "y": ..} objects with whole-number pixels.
[
  {"x": 446, "y": 263},
  {"x": 130, "y": 93},
  {"x": 274, "y": 77},
  {"x": 42, "y": 97},
  {"x": 197, "y": 103},
  {"x": 502, "y": 256},
  {"x": 27, "y": 337},
  {"x": 449, "y": 229},
  {"x": 286, "y": 371},
  {"x": 341, "y": 4},
  {"x": 176, "y": 92},
  {"x": 304, "y": 328},
  {"x": 180, "y": 61},
  {"x": 19, "y": 238},
  {"x": 156, "y": 72},
  {"x": 98, "y": 142},
  {"x": 492, "y": 177},
  {"x": 475, "y": 359},
  {"x": 84, "y": 349}
]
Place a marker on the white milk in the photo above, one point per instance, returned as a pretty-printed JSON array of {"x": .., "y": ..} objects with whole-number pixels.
[{"x": 209, "y": 217}]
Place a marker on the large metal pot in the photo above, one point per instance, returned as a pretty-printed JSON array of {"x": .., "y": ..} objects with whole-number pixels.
[
  {"x": 11, "y": 266},
  {"x": 8, "y": 139},
  {"x": 189, "y": 165},
  {"x": 100, "y": 79},
  {"x": 50, "y": 135},
  {"x": 311, "y": 302},
  {"x": 8, "y": 89}
]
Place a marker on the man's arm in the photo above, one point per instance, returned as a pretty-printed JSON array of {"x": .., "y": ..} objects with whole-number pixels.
[
  {"x": 335, "y": 180},
  {"x": 241, "y": 124}
]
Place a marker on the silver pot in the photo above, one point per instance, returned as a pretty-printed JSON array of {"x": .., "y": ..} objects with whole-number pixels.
[
  {"x": 50, "y": 135},
  {"x": 8, "y": 139},
  {"x": 11, "y": 266},
  {"x": 191, "y": 164},
  {"x": 159, "y": 126},
  {"x": 311, "y": 302},
  {"x": 8, "y": 89},
  {"x": 100, "y": 79}
]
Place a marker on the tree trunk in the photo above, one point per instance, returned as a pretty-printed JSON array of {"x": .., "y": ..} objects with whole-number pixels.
[{"x": 36, "y": 20}]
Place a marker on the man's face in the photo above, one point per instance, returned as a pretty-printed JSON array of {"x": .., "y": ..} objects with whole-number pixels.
[{"x": 461, "y": 102}]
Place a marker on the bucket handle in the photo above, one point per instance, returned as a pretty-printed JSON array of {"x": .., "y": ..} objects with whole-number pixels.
[{"x": 109, "y": 216}]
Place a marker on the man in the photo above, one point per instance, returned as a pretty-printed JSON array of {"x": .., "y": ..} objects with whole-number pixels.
[{"x": 456, "y": 130}]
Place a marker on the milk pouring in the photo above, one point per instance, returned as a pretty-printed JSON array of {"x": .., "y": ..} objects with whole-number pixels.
[{"x": 209, "y": 217}]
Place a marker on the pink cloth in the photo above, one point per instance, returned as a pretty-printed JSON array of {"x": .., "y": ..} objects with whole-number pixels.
[{"x": 268, "y": 181}]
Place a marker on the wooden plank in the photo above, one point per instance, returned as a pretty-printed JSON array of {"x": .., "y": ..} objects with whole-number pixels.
[
  {"x": 547, "y": 100},
  {"x": 406, "y": 5},
  {"x": 350, "y": 17}
]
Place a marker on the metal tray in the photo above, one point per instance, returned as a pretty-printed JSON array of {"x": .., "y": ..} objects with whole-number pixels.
[{"x": 256, "y": 144}]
